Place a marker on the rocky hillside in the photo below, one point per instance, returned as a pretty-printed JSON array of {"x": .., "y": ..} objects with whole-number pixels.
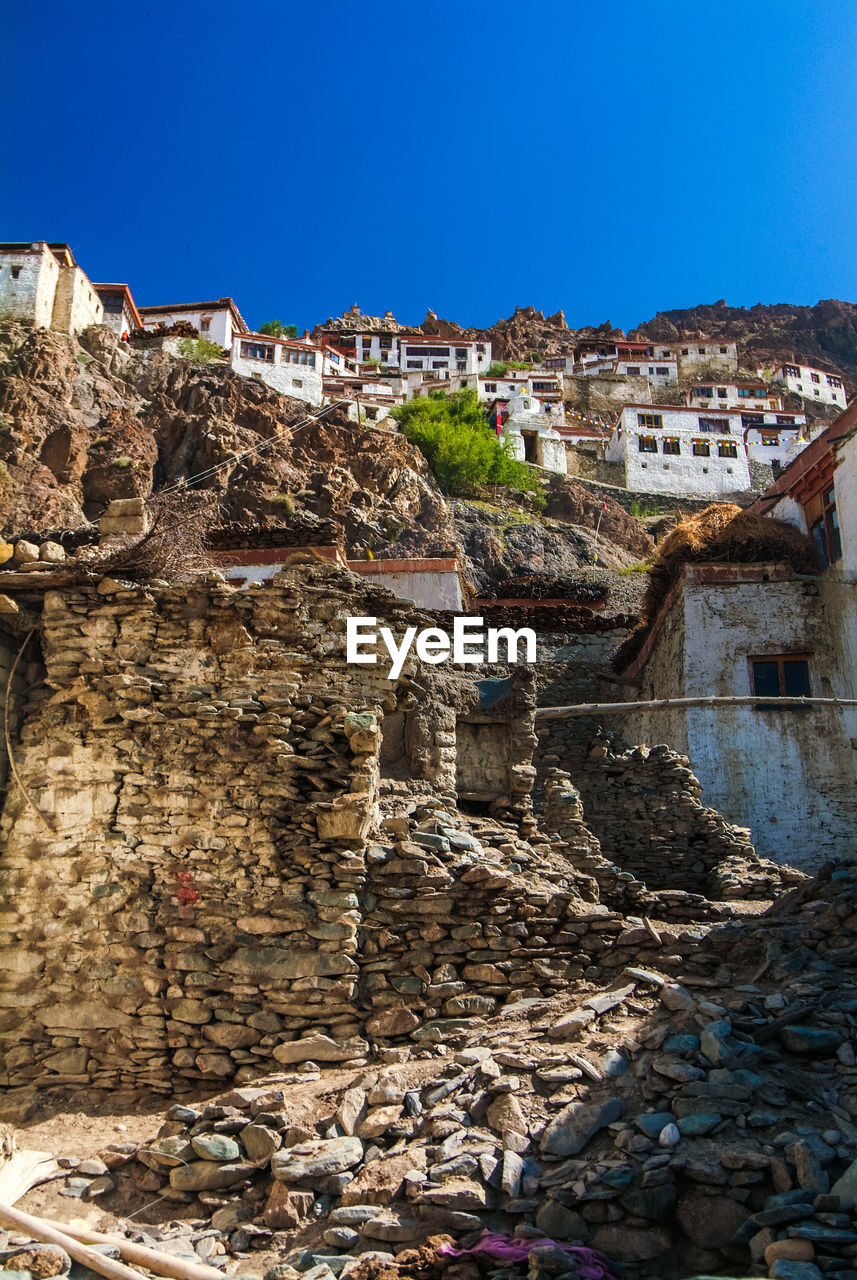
[
  {"x": 82, "y": 423},
  {"x": 824, "y": 335}
]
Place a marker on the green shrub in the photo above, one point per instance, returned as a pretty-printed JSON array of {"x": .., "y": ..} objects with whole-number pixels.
[
  {"x": 122, "y": 463},
  {"x": 520, "y": 364},
  {"x": 497, "y": 369},
  {"x": 454, "y": 435},
  {"x": 199, "y": 349},
  {"x": 286, "y": 501}
]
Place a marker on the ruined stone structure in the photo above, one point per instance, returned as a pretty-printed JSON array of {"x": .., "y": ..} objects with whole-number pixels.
[{"x": 229, "y": 843}]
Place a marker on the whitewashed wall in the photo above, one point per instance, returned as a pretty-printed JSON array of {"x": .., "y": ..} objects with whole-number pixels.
[
  {"x": 30, "y": 296},
  {"x": 787, "y": 775}
]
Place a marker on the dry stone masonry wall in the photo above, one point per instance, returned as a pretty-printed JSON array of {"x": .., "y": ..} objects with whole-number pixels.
[{"x": 208, "y": 874}]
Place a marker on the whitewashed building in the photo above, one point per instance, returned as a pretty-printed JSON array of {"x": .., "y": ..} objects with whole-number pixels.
[
  {"x": 532, "y": 429},
  {"x": 737, "y": 630},
  {"x": 218, "y": 321},
  {"x": 665, "y": 449},
  {"x": 291, "y": 366},
  {"x": 703, "y": 353},
  {"x": 120, "y": 312},
  {"x": 42, "y": 284},
  {"x": 812, "y": 384},
  {"x": 746, "y": 395}
]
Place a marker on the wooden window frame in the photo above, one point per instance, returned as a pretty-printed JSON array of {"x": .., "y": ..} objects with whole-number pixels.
[{"x": 780, "y": 659}]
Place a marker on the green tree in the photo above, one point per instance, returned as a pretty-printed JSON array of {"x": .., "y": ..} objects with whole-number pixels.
[
  {"x": 465, "y": 454},
  {"x": 199, "y": 349},
  {"x": 276, "y": 329},
  {"x": 497, "y": 369}
]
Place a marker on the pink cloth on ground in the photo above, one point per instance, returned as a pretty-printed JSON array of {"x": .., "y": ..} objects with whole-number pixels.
[{"x": 592, "y": 1265}]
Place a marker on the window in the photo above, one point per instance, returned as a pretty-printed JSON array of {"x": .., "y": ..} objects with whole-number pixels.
[
  {"x": 651, "y": 369},
  {"x": 781, "y": 676},
  {"x": 834, "y": 382},
  {"x": 113, "y": 304},
  {"x": 770, "y": 441},
  {"x": 726, "y": 449},
  {"x": 663, "y": 373},
  {"x": 701, "y": 449},
  {"x": 784, "y": 420},
  {"x": 650, "y": 420},
  {"x": 490, "y": 386},
  {"x": 665, "y": 355},
  {"x": 671, "y": 446},
  {"x": 205, "y": 324},
  {"x": 647, "y": 444},
  {"x": 632, "y": 369},
  {"x": 791, "y": 370},
  {"x": 685, "y": 351},
  {"x": 297, "y": 382},
  {"x": 723, "y": 351},
  {"x": 714, "y": 426},
  {"x": 704, "y": 392},
  {"x": 721, "y": 391},
  {"x": 427, "y": 351},
  {"x": 702, "y": 351},
  {"x": 461, "y": 353},
  {"x": 16, "y": 271},
  {"x": 823, "y": 521},
  {"x": 814, "y": 377},
  {"x": 257, "y": 351},
  {"x": 415, "y": 364}
]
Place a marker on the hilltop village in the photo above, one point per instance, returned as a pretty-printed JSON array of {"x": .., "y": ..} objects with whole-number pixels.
[{"x": 311, "y": 967}]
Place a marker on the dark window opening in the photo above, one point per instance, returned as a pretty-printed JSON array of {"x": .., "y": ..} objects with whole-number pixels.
[
  {"x": 647, "y": 444},
  {"x": 725, "y": 450},
  {"x": 671, "y": 446},
  {"x": 781, "y": 676},
  {"x": 701, "y": 449}
]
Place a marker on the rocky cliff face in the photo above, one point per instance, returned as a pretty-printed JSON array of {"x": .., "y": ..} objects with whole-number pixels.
[
  {"x": 84, "y": 423},
  {"x": 824, "y": 335}
]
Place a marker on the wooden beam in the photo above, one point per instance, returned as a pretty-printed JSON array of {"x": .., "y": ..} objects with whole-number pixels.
[{"x": 668, "y": 704}]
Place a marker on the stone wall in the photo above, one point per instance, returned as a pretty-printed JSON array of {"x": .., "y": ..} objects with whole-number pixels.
[
  {"x": 211, "y": 876},
  {"x": 644, "y": 807}
]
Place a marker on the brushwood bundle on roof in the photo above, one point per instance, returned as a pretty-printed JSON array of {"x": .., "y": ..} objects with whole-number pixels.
[{"x": 721, "y": 534}]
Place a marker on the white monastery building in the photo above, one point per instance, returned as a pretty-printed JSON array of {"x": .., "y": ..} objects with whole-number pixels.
[
  {"x": 812, "y": 384},
  {"x": 666, "y": 449},
  {"x": 41, "y": 283},
  {"x": 217, "y": 321},
  {"x": 120, "y": 312},
  {"x": 733, "y": 395},
  {"x": 292, "y": 366}
]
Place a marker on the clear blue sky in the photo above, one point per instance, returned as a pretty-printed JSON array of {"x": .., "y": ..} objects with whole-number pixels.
[{"x": 465, "y": 155}]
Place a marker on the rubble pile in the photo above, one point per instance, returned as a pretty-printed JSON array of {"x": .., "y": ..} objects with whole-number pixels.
[{"x": 686, "y": 1118}]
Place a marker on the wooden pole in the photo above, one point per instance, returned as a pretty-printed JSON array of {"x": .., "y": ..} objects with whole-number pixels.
[
  {"x": 667, "y": 704},
  {"x": 39, "y": 1230},
  {"x": 163, "y": 1264},
  {"x": 66, "y": 1238}
]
